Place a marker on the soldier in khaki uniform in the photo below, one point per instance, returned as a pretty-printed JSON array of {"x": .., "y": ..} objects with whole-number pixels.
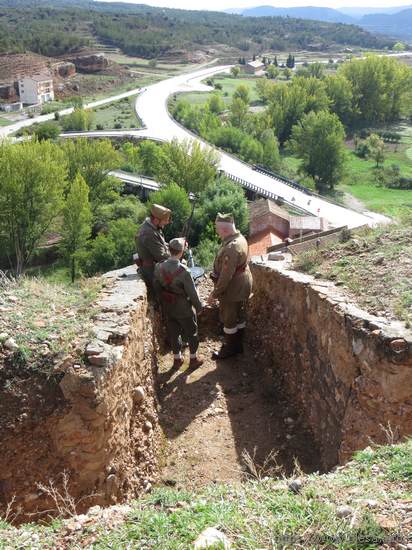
[
  {"x": 233, "y": 285},
  {"x": 177, "y": 292},
  {"x": 150, "y": 242}
]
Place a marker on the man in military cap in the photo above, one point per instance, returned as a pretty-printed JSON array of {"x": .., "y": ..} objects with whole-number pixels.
[
  {"x": 174, "y": 285},
  {"x": 150, "y": 242},
  {"x": 233, "y": 284}
]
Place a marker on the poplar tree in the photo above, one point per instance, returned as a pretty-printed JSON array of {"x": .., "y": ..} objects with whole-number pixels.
[
  {"x": 77, "y": 222},
  {"x": 32, "y": 184}
]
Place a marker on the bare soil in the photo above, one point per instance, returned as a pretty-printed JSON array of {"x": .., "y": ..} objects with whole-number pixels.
[{"x": 222, "y": 423}]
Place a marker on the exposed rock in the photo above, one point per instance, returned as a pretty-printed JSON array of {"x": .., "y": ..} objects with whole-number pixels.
[
  {"x": 11, "y": 344},
  {"x": 295, "y": 486},
  {"x": 138, "y": 395},
  {"x": 210, "y": 538},
  {"x": 344, "y": 511},
  {"x": 94, "y": 348},
  {"x": 90, "y": 63},
  {"x": 399, "y": 345}
]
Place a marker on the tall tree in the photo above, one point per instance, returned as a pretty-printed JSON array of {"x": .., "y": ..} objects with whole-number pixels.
[
  {"x": 188, "y": 164},
  {"x": 32, "y": 184},
  {"x": 271, "y": 155},
  {"x": 77, "y": 222},
  {"x": 235, "y": 71},
  {"x": 242, "y": 92},
  {"x": 238, "y": 112},
  {"x": 339, "y": 91},
  {"x": 79, "y": 120},
  {"x": 376, "y": 148},
  {"x": 380, "y": 85},
  {"x": 319, "y": 141},
  {"x": 94, "y": 159}
]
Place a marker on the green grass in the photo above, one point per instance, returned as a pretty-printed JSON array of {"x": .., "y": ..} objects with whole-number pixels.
[
  {"x": 360, "y": 178},
  {"x": 229, "y": 85},
  {"x": 260, "y": 513},
  {"x": 5, "y": 122},
  {"x": 47, "y": 308},
  {"x": 120, "y": 112},
  {"x": 374, "y": 266}
]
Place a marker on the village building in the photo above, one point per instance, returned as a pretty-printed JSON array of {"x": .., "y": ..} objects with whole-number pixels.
[
  {"x": 254, "y": 67},
  {"x": 36, "y": 89},
  {"x": 270, "y": 225}
]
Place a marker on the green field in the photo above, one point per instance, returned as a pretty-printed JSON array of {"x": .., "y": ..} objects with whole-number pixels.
[
  {"x": 4, "y": 122},
  {"x": 360, "y": 178},
  {"x": 118, "y": 114},
  {"x": 229, "y": 85}
]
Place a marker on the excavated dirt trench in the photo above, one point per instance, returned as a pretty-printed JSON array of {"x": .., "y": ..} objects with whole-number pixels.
[
  {"x": 315, "y": 382},
  {"x": 222, "y": 424}
]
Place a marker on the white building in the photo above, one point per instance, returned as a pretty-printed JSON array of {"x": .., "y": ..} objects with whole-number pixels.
[{"x": 36, "y": 89}]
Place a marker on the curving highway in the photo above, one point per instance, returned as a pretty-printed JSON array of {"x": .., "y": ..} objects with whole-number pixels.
[{"x": 151, "y": 107}]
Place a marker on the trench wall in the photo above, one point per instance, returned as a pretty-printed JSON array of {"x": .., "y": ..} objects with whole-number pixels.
[
  {"x": 349, "y": 373},
  {"x": 100, "y": 425}
]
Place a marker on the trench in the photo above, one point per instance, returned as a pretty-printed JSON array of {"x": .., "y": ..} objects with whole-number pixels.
[
  {"x": 315, "y": 383},
  {"x": 226, "y": 422}
]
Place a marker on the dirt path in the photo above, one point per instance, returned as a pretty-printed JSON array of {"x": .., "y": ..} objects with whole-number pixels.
[{"x": 212, "y": 417}]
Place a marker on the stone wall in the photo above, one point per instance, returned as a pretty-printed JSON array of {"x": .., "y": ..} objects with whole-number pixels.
[
  {"x": 100, "y": 427},
  {"x": 348, "y": 372}
]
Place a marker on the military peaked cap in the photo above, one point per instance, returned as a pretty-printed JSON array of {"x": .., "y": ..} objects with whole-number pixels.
[
  {"x": 160, "y": 212},
  {"x": 224, "y": 218}
]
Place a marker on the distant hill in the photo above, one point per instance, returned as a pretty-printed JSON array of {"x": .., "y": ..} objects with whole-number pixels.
[
  {"x": 394, "y": 21},
  {"x": 59, "y": 27},
  {"x": 306, "y": 12},
  {"x": 397, "y": 24},
  {"x": 358, "y": 13}
]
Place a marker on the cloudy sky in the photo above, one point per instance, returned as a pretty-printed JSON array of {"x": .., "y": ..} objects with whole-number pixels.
[{"x": 224, "y": 4}]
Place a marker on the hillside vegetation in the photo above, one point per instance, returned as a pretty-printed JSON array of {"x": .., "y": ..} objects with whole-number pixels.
[
  {"x": 365, "y": 266},
  {"x": 55, "y": 28}
]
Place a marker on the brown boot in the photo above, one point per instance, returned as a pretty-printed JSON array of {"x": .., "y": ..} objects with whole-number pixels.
[
  {"x": 195, "y": 363},
  {"x": 177, "y": 363},
  {"x": 229, "y": 347}
]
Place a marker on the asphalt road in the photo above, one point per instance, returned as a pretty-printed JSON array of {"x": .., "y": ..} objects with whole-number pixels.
[{"x": 151, "y": 107}]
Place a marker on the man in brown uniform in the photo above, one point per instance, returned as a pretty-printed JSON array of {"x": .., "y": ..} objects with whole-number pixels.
[
  {"x": 150, "y": 242},
  {"x": 233, "y": 284},
  {"x": 174, "y": 285}
]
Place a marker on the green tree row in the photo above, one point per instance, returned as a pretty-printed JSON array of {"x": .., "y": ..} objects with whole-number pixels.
[{"x": 64, "y": 187}]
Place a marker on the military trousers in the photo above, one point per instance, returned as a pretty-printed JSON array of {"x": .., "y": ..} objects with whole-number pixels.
[
  {"x": 183, "y": 328},
  {"x": 232, "y": 315}
]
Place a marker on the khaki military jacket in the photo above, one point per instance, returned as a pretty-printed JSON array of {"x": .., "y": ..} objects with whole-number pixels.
[
  {"x": 151, "y": 245},
  {"x": 233, "y": 279},
  {"x": 175, "y": 287}
]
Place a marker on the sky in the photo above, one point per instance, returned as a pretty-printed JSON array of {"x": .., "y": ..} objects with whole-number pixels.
[{"x": 225, "y": 4}]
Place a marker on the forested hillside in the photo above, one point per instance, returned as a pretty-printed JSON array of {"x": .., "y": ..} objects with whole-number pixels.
[{"x": 55, "y": 27}]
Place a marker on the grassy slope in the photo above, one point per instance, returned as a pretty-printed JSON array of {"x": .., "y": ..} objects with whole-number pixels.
[
  {"x": 360, "y": 178},
  {"x": 47, "y": 308},
  {"x": 366, "y": 265},
  {"x": 375, "y": 488}
]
